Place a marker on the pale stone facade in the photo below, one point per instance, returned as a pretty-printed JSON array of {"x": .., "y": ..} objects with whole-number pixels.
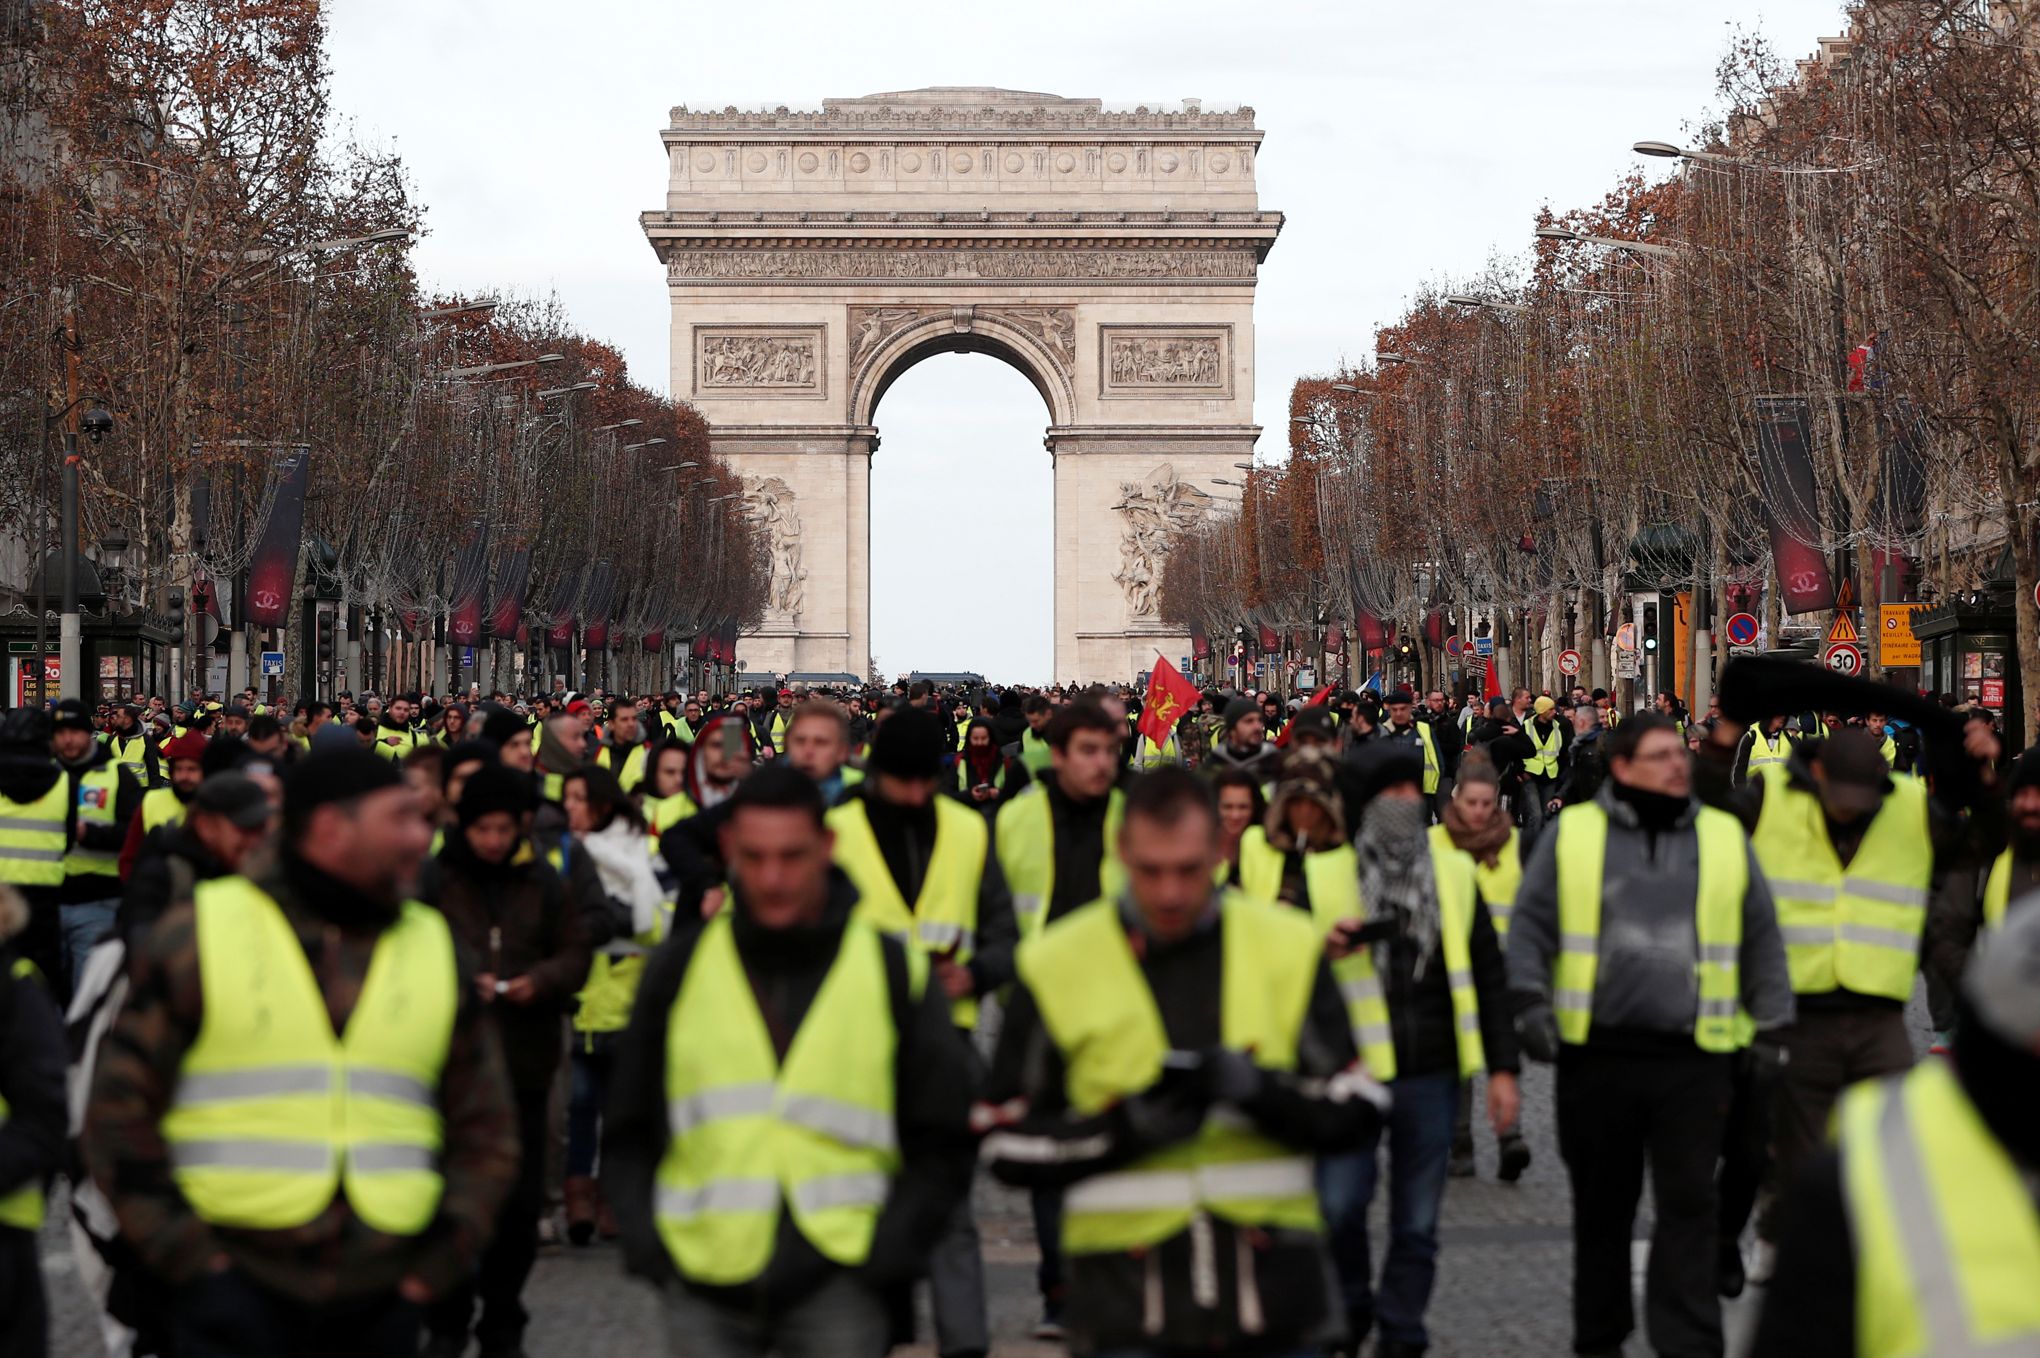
[{"x": 812, "y": 258}]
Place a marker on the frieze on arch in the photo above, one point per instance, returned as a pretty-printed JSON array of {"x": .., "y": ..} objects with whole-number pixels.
[{"x": 893, "y": 264}]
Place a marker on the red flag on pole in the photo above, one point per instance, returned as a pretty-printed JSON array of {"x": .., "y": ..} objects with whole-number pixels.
[
  {"x": 1322, "y": 695},
  {"x": 1169, "y": 696}
]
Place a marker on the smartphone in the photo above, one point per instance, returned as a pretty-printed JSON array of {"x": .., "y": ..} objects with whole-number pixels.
[{"x": 732, "y": 739}]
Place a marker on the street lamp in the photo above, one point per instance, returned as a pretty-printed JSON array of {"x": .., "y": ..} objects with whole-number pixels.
[
  {"x": 551, "y": 392},
  {"x": 1637, "y": 247},
  {"x": 1665, "y": 150},
  {"x": 1386, "y": 357},
  {"x": 648, "y": 443},
  {"x": 464, "y": 308},
  {"x": 484, "y": 369},
  {"x": 1484, "y": 303},
  {"x": 386, "y": 236},
  {"x": 620, "y": 424}
]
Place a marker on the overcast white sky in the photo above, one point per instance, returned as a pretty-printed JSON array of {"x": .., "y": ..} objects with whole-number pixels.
[{"x": 1406, "y": 142}]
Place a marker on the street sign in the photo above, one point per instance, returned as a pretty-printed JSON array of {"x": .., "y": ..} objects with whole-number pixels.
[
  {"x": 1306, "y": 678},
  {"x": 1625, "y": 640},
  {"x": 1844, "y": 658},
  {"x": 1483, "y": 645},
  {"x": 1842, "y": 631},
  {"x": 1745, "y": 650},
  {"x": 467, "y": 657},
  {"x": 272, "y": 664},
  {"x": 1568, "y": 662},
  {"x": 1454, "y": 647},
  {"x": 1897, "y": 647},
  {"x": 1183, "y": 664},
  {"x": 1625, "y": 664},
  {"x": 1742, "y": 629}
]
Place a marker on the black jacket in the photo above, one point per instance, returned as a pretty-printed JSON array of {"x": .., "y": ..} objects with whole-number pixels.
[
  {"x": 1041, "y": 1144},
  {"x": 935, "y": 1080},
  {"x": 31, "y": 1079},
  {"x": 168, "y": 853},
  {"x": 1078, "y": 831}
]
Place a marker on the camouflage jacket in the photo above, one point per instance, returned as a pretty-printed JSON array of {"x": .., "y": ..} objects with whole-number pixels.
[{"x": 335, "y": 1256}]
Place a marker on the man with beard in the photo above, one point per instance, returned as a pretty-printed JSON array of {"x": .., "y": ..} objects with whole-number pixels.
[
  {"x": 1244, "y": 743},
  {"x": 131, "y": 747},
  {"x": 768, "y": 721},
  {"x": 623, "y": 752},
  {"x": 394, "y": 737},
  {"x": 300, "y": 1194}
]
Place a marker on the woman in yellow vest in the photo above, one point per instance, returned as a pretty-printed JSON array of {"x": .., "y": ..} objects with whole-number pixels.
[
  {"x": 662, "y": 796},
  {"x": 31, "y": 1131},
  {"x": 1475, "y": 823},
  {"x": 1241, "y": 806},
  {"x": 1918, "y": 1233}
]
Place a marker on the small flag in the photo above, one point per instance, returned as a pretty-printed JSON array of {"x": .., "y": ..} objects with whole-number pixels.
[
  {"x": 1315, "y": 699},
  {"x": 1863, "y": 373},
  {"x": 1169, "y": 696}
]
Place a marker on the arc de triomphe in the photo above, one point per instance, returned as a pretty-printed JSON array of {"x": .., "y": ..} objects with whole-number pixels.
[{"x": 812, "y": 258}]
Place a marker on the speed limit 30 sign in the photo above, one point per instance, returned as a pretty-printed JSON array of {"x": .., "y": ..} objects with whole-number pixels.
[{"x": 1844, "y": 658}]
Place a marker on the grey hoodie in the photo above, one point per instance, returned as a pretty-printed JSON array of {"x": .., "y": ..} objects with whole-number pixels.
[{"x": 1649, "y": 946}]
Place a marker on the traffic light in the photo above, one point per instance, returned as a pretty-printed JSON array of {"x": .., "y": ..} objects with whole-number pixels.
[
  {"x": 1649, "y": 627},
  {"x": 201, "y": 597},
  {"x": 325, "y": 643},
  {"x": 173, "y": 612}
]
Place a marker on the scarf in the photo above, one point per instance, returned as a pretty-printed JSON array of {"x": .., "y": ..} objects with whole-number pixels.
[
  {"x": 1395, "y": 876},
  {"x": 625, "y": 869},
  {"x": 1483, "y": 841}
]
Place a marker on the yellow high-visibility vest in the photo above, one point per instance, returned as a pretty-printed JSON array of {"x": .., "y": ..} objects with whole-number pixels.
[
  {"x": 1499, "y": 883},
  {"x": 273, "y": 1113},
  {"x": 633, "y": 765},
  {"x": 1433, "y": 769},
  {"x": 963, "y": 783},
  {"x": 1333, "y": 877},
  {"x": 1034, "y": 752},
  {"x": 407, "y": 741},
  {"x": 161, "y": 806},
  {"x": 1889, "y": 749},
  {"x": 1768, "y": 750},
  {"x": 1997, "y": 892},
  {"x": 1946, "y": 1234},
  {"x": 603, "y": 1004},
  {"x": 132, "y": 754},
  {"x": 1096, "y": 1006},
  {"x": 1543, "y": 764},
  {"x": 1025, "y": 840},
  {"x": 1856, "y": 928},
  {"x": 22, "y": 1207},
  {"x": 1152, "y": 756},
  {"x": 944, "y": 916},
  {"x": 98, "y": 795},
  {"x": 1719, "y": 1025},
  {"x": 32, "y": 836},
  {"x": 750, "y": 1135},
  {"x": 663, "y": 813}
]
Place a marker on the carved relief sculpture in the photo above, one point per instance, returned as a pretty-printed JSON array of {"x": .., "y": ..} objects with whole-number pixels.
[
  {"x": 1054, "y": 326},
  {"x": 943, "y": 265},
  {"x": 1165, "y": 361},
  {"x": 768, "y": 501},
  {"x": 1154, "y": 511},
  {"x": 872, "y": 326},
  {"x": 734, "y": 361}
]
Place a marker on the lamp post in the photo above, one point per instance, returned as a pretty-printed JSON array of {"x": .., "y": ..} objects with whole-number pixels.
[
  {"x": 1634, "y": 247},
  {"x": 486, "y": 369}
]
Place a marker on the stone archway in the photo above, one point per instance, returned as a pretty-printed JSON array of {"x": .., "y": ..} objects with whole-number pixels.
[{"x": 812, "y": 258}]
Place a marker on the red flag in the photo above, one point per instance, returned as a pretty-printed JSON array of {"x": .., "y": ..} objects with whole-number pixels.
[
  {"x": 1323, "y": 694},
  {"x": 1169, "y": 696}
]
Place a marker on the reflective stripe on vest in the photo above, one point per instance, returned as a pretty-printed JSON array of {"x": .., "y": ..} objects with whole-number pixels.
[
  {"x": 1855, "y": 928},
  {"x": 273, "y": 1114},
  {"x": 1498, "y": 883},
  {"x": 1096, "y": 1006},
  {"x": 1718, "y": 1025},
  {"x": 23, "y": 1207},
  {"x": 160, "y": 806},
  {"x": 132, "y": 754},
  {"x": 943, "y": 918},
  {"x": 1025, "y": 839},
  {"x": 749, "y": 1132},
  {"x": 98, "y": 797},
  {"x": 1543, "y": 764},
  {"x": 1944, "y": 1226},
  {"x": 32, "y": 836},
  {"x": 1152, "y": 756}
]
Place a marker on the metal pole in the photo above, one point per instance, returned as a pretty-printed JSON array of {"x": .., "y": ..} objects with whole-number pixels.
[{"x": 69, "y": 640}]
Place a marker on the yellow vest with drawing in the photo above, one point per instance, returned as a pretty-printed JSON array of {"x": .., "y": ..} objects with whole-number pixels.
[
  {"x": 1719, "y": 1024},
  {"x": 1025, "y": 840},
  {"x": 1945, "y": 1231},
  {"x": 1855, "y": 928},
  {"x": 752, "y": 1135},
  {"x": 98, "y": 798},
  {"x": 273, "y": 1113},
  {"x": 943, "y": 917},
  {"x": 1096, "y": 1006}
]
